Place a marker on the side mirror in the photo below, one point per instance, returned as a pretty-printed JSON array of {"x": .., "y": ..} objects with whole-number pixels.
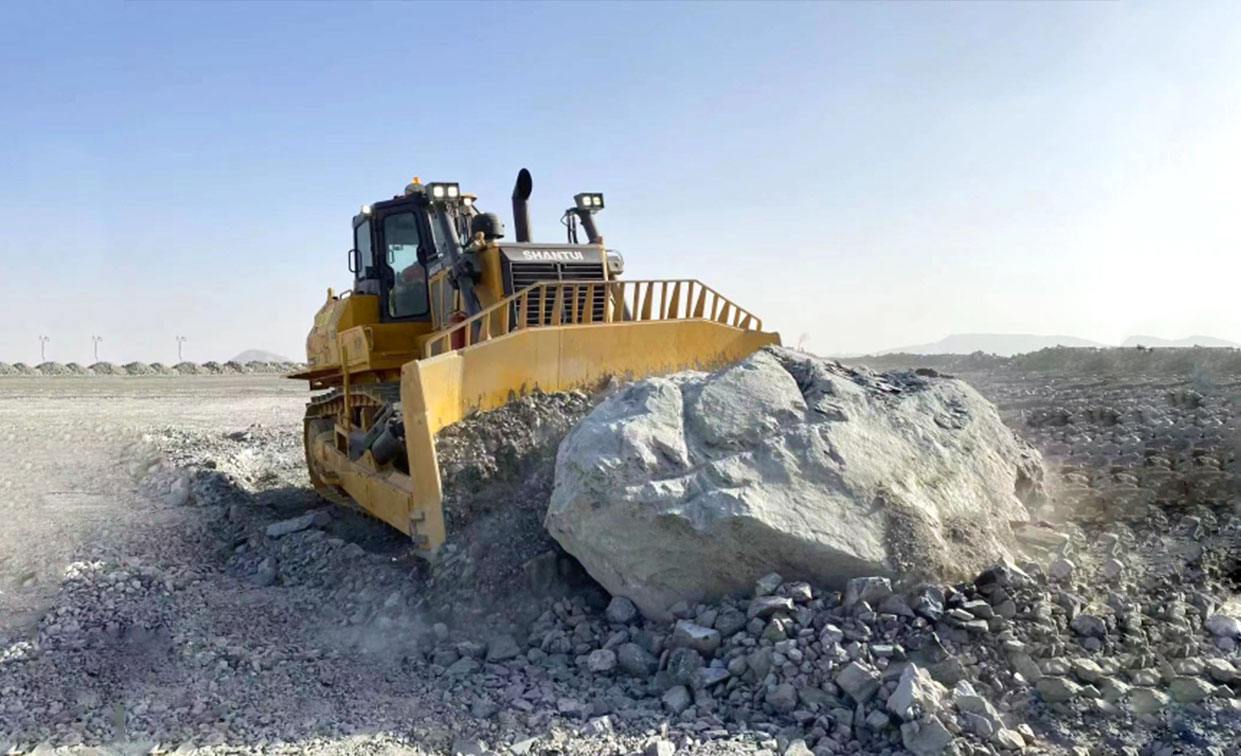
[{"x": 353, "y": 261}]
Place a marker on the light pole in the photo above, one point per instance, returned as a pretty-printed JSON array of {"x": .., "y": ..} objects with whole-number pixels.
[
  {"x": 180, "y": 340},
  {"x": 43, "y": 348},
  {"x": 96, "y": 339}
]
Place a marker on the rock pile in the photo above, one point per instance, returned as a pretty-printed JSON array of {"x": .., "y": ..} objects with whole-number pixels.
[
  {"x": 145, "y": 369},
  {"x": 688, "y": 487}
]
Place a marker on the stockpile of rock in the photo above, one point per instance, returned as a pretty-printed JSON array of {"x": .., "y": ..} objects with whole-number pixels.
[
  {"x": 106, "y": 368},
  {"x": 51, "y": 368},
  {"x": 148, "y": 369}
]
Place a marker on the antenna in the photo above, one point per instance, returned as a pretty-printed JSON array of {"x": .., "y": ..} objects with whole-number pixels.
[
  {"x": 43, "y": 348},
  {"x": 180, "y": 340},
  {"x": 96, "y": 339}
]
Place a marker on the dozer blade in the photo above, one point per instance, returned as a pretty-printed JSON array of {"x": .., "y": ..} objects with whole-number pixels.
[{"x": 441, "y": 390}]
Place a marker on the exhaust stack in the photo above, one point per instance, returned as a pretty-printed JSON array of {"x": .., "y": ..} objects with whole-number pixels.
[{"x": 521, "y": 212}]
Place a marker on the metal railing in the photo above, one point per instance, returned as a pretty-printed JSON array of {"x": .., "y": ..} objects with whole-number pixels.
[{"x": 555, "y": 303}]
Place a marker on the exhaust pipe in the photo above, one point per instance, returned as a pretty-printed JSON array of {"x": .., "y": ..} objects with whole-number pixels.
[{"x": 521, "y": 213}]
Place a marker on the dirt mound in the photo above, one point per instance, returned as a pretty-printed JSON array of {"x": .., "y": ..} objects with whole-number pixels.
[
  {"x": 137, "y": 368},
  {"x": 498, "y": 469},
  {"x": 106, "y": 368},
  {"x": 188, "y": 368},
  {"x": 159, "y": 368},
  {"x": 51, "y": 368},
  {"x": 7, "y": 369},
  {"x": 77, "y": 369},
  {"x": 235, "y": 367}
]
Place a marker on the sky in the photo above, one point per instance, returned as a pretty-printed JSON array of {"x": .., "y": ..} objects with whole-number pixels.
[{"x": 861, "y": 175}]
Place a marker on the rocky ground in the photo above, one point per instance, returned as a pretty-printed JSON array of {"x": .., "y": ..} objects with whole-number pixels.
[{"x": 167, "y": 579}]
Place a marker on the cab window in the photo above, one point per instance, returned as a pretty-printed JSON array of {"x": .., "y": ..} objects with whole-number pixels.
[
  {"x": 366, "y": 255},
  {"x": 407, "y": 295}
]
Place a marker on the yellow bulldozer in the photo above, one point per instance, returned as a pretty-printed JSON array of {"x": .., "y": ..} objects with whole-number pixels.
[{"x": 445, "y": 318}]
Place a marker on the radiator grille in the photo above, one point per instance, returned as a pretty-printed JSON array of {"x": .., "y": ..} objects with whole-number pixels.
[{"x": 523, "y": 274}]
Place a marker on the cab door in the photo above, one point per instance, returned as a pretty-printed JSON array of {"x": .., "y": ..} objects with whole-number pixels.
[{"x": 404, "y": 276}]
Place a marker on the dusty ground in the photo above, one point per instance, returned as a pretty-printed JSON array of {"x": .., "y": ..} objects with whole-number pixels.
[
  {"x": 191, "y": 651},
  {"x": 142, "y": 602}
]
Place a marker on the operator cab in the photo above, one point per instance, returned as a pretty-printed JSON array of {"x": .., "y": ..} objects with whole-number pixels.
[{"x": 399, "y": 244}]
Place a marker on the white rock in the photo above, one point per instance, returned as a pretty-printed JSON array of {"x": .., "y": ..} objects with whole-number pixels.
[
  {"x": 916, "y": 694},
  {"x": 692, "y": 487}
]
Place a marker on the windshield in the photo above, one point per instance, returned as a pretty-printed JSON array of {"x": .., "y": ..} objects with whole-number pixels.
[{"x": 408, "y": 295}]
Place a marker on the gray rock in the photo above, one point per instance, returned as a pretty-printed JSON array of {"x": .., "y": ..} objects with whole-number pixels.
[
  {"x": 870, "y": 589},
  {"x": 767, "y": 584},
  {"x": 1224, "y": 626},
  {"x": 1087, "y": 670},
  {"x": 635, "y": 660},
  {"x": 1061, "y": 569},
  {"x": 1089, "y": 625},
  {"x": 916, "y": 694},
  {"x": 859, "y": 681},
  {"x": 621, "y": 611},
  {"x": 463, "y": 667},
  {"x": 1221, "y": 671},
  {"x": 677, "y": 699},
  {"x": 782, "y": 698},
  {"x": 729, "y": 622},
  {"x": 709, "y": 676},
  {"x": 926, "y": 737},
  {"x": 291, "y": 525},
  {"x": 674, "y": 487},
  {"x": 684, "y": 663},
  {"x": 1009, "y": 740},
  {"x": 800, "y": 592},
  {"x": 765, "y": 606},
  {"x": 704, "y": 640},
  {"x": 502, "y": 648},
  {"x": 1148, "y": 700},
  {"x": 601, "y": 661},
  {"x": 266, "y": 572},
  {"x": 1057, "y": 689},
  {"x": 1190, "y": 689}
]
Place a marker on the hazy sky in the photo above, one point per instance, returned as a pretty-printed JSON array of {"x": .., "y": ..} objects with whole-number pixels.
[{"x": 868, "y": 174}]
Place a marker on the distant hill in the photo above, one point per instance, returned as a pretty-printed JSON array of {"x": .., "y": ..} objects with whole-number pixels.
[
  {"x": 258, "y": 355},
  {"x": 1003, "y": 344},
  {"x": 1188, "y": 341}
]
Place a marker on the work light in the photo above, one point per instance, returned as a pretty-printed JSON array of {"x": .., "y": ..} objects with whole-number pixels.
[
  {"x": 445, "y": 191},
  {"x": 591, "y": 201}
]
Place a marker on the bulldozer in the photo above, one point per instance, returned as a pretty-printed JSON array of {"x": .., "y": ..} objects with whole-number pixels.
[{"x": 446, "y": 318}]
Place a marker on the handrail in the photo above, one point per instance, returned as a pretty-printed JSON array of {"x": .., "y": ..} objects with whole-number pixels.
[{"x": 557, "y": 303}]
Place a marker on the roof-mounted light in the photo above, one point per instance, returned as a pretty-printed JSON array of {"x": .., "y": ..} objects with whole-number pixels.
[
  {"x": 366, "y": 209},
  {"x": 444, "y": 192}
]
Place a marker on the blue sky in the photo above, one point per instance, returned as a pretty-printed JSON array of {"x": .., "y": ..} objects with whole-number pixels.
[{"x": 868, "y": 175}]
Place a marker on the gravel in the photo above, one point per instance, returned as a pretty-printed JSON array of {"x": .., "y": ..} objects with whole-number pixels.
[{"x": 142, "y": 600}]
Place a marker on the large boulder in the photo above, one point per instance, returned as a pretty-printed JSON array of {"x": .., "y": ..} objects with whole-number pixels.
[{"x": 693, "y": 486}]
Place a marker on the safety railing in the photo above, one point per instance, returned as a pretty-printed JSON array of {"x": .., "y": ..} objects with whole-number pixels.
[{"x": 557, "y": 303}]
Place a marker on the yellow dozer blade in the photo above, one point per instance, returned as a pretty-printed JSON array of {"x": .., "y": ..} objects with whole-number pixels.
[{"x": 543, "y": 338}]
